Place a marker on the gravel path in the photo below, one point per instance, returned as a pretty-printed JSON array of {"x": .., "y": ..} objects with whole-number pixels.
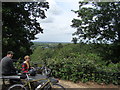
[{"x": 68, "y": 84}]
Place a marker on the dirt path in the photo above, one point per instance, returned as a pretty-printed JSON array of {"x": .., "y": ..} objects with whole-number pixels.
[{"x": 68, "y": 84}]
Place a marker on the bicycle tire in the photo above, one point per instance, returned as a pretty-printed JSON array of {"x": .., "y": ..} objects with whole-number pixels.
[
  {"x": 57, "y": 87},
  {"x": 17, "y": 87},
  {"x": 46, "y": 71}
]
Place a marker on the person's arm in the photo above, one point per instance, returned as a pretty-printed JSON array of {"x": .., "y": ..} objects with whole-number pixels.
[{"x": 11, "y": 66}]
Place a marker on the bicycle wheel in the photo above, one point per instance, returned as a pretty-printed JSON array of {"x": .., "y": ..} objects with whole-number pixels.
[
  {"x": 17, "y": 87},
  {"x": 57, "y": 87},
  {"x": 46, "y": 71}
]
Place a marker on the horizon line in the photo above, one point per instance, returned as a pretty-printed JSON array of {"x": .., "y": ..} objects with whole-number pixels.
[{"x": 53, "y": 41}]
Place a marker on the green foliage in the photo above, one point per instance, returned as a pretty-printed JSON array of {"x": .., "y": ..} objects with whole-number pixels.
[
  {"x": 74, "y": 40},
  {"x": 59, "y": 46},
  {"x": 98, "y": 23},
  {"x": 18, "y": 65},
  {"x": 80, "y": 62},
  {"x": 20, "y": 25}
]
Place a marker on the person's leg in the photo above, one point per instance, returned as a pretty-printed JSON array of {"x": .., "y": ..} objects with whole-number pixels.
[
  {"x": 14, "y": 81},
  {"x": 23, "y": 76}
]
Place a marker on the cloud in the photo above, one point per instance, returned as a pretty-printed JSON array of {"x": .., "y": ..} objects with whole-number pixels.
[
  {"x": 68, "y": 1},
  {"x": 52, "y": 12},
  {"x": 48, "y": 20},
  {"x": 57, "y": 24},
  {"x": 54, "y": 8}
]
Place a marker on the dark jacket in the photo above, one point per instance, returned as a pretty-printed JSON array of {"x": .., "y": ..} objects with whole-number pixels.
[{"x": 7, "y": 66}]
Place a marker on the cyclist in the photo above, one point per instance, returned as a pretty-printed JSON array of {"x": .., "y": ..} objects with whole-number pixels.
[
  {"x": 26, "y": 64},
  {"x": 26, "y": 68},
  {"x": 7, "y": 65}
]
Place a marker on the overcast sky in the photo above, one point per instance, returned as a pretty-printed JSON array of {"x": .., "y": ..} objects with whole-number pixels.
[{"x": 57, "y": 24}]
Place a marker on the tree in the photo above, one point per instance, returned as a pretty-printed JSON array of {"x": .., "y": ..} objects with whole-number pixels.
[
  {"x": 99, "y": 23},
  {"x": 20, "y": 25},
  {"x": 74, "y": 40},
  {"x": 59, "y": 46}
]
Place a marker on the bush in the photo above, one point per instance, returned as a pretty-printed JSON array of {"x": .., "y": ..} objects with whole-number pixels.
[
  {"x": 81, "y": 62},
  {"x": 81, "y": 70}
]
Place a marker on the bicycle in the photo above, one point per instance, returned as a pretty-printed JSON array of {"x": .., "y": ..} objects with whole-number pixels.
[
  {"x": 45, "y": 83},
  {"x": 44, "y": 70}
]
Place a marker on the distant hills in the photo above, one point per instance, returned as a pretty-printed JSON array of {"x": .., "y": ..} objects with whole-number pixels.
[{"x": 49, "y": 42}]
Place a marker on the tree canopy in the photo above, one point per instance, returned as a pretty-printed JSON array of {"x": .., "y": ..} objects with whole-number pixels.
[
  {"x": 20, "y": 25},
  {"x": 74, "y": 40},
  {"x": 98, "y": 23}
]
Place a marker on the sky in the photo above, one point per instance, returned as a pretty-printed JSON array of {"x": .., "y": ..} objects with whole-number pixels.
[{"x": 57, "y": 24}]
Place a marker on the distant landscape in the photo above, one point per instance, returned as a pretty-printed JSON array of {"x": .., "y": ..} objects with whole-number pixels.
[{"x": 48, "y": 42}]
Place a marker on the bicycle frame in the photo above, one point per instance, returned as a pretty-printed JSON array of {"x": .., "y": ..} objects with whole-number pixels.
[{"x": 29, "y": 81}]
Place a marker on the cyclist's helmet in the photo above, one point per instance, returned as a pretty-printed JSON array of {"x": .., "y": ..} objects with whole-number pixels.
[{"x": 32, "y": 72}]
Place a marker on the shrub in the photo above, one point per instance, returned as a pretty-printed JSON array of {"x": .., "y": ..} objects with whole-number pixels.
[{"x": 81, "y": 62}]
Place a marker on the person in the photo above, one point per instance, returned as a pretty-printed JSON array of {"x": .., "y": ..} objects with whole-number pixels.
[
  {"x": 26, "y": 68},
  {"x": 8, "y": 68},
  {"x": 7, "y": 64},
  {"x": 26, "y": 64}
]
